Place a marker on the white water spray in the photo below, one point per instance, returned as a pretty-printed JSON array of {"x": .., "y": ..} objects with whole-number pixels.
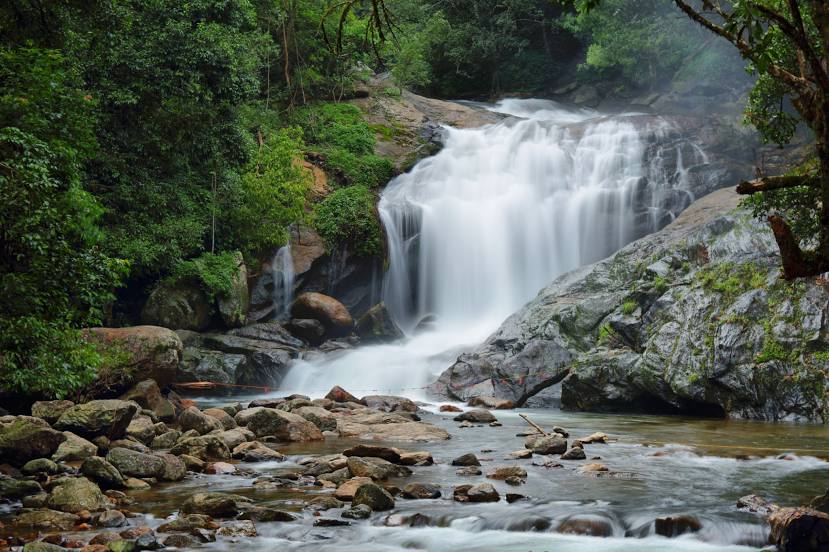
[
  {"x": 282, "y": 272},
  {"x": 475, "y": 231}
]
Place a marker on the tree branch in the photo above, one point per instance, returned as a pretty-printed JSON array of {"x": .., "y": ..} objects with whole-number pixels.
[{"x": 770, "y": 183}]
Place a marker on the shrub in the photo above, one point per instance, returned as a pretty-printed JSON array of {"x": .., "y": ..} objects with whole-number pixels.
[
  {"x": 214, "y": 272},
  {"x": 347, "y": 217}
]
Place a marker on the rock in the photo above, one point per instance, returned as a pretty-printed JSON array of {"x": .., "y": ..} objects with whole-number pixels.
[
  {"x": 520, "y": 454},
  {"x": 376, "y": 325},
  {"x": 178, "y": 306},
  {"x": 195, "y": 419},
  {"x": 50, "y": 410},
  {"x": 129, "y": 444},
  {"x": 234, "y": 437},
  {"x": 478, "y": 416},
  {"x": 136, "y": 464},
  {"x": 756, "y": 505},
  {"x": 254, "y": 451},
  {"x": 546, "y": 444},
  {"x": 285, "y": 426},
  {"x": 322, "y": 503},
  {"x": 111, "y": 518},
  {"x": 360, "y": 511},
  {"x": 376, "y": 468},
  {"x": 593, "y": 468},
  {"x": 673, "y": 526},
  {"x": 149, "y": 352},
  {"x": 373, "y": 451},
  {"x": 212, "y": 504},
  {"x": 468, "y": 471},
  {"x": 223, "y": 417},
  {"x": 468, "y": 459},
  {"x": 244, "y": 528},
  {"x": 327, "y": 310},
  {"x": 799, "y": 530},
  {"x": 320, "y": 417},
  {"x": 373, "y": 496},
  {"x": 187, "y": 522},
  {"x": 100, "y": 417},
  {"x": 514, "y": 497},
  {"x": 340, "y": 395},
  {"x": 592, "y": 526},
  {"x": 148, "y": 395},
  {"x": 417, "y": 458},
  {"x": 48, "y": 520},
  {"x": 328, "y": 522},
  {"x": 142, "y": 429},
  {"x": 102, "y": 472},
  {"x": 598, "y": 437},
  {"x": 387, "y": 403},
  {"x": 450, "y": 408},
  {"x": 492, "y": 403},
  {"x": 174, "y": 468},
  {"x": 234, "y": 305},
  {"x": 308, "y": 330},
  {"x": 75, "y": 494},
  {"x": 24, "y": 439},
  {"x": 14, "y": 489},
  {"x": 180, "y": 541},
  {"x": 387, "y": 430},
  {"x": 576, "y": 453},
  {"x": 421, "y": 491},
  {"x": 506, "y": 472},
  {"x": 204, "y": 447},
  {"x": 41, "y": 546},
  {"x": 192, "y": 463},
  {"x": 166, "y": 440},
  {"x": 483, "y": 492},
  {"x": 348, "y": 489},
  {"x": 267, "y": 515},
  {"x": 41, "y": 466}
]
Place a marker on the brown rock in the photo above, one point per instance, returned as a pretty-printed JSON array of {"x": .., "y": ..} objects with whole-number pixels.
[
  {"x": 347, "y": 490},
  {"x": 505, "y": 472},
  {"x": 450, "y": 408},
  {"x": 333, "y": 314},
  {"x": 800, "y": 530},
  {"x": 491, "y": 403},
  {"x": 154, "y": 353},
  {"x": 673, "y": 526}
]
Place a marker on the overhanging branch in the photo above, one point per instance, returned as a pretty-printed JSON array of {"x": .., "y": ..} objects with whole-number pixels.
[{"x": 770, "y": 183}]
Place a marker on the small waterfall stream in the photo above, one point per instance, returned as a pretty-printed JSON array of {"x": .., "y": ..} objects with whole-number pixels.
[
  {"x": 475, "y": 231},
  {"x": 282, "y": 272}
]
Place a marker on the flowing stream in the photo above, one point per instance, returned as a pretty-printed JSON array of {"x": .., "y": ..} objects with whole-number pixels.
[{"x": 477, "y": 230}]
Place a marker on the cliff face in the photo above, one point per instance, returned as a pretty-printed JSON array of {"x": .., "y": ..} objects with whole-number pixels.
[{"x": 692, "y": 319}]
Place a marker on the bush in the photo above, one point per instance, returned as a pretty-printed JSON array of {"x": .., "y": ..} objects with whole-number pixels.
[
  {"x": 347, "y": 218},
  {"x": 214, "y": 272}
]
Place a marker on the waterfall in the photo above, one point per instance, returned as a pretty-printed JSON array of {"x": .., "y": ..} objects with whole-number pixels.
[
  {"x": 282, "y": 272},
  {"x": 477, "y": 230}
]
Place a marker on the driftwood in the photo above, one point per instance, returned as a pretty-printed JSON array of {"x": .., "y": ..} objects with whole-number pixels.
[{"x": 533, "y": 424}]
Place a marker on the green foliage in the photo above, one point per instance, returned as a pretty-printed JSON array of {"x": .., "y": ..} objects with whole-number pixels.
[
  {"x": 214, "y": 272},
  {"x": 731, "y": 279},
  {"x": 629, "y": 307},
  {"x": 773, "y": 350},
  {"x": 660, "y": 285},
  {"x": 347, "y": 218}
]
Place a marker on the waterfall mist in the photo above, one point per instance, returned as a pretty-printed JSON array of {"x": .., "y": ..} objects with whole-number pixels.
[{"x": 475, "y": 231}]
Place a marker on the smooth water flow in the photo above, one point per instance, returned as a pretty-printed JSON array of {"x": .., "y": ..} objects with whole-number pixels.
[
  {"x": 475, "y": 231},
  {"x": 282, "y": 271}
]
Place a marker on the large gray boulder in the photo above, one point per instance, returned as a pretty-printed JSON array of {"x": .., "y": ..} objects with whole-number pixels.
[
  {"x": 285, "y": 426},
  {"x": 136, "y": 464},
  {"x": 109, "y": 418},
  {"x": 692, "y": 319},
  {"x": 74, "y": 494},
  {"x": 26, "y": 438},
  {"x": 178, "y": 306}
]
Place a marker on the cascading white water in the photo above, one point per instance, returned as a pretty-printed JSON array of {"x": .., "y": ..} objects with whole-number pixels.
[
  {"x": 475, "y": 231},
  {"x": 282, "y": 272}
]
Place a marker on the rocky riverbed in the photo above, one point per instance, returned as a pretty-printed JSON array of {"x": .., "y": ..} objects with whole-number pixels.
[{"x": 153, "y": 470}]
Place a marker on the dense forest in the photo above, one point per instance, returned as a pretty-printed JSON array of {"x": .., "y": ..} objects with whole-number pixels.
[{"x": 147, "y": 141}]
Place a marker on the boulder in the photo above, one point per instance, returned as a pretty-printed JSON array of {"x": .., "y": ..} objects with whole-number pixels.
[
  {"x": 40, "y": 466},
  {"x": 285, "y": 426},
  {"x": 478, "y": 416},
  {"x": 204, "y": 447},
  {"x": 376, "y": 325},
  {"x": 468, "y": 459},
  {"x": 42, "y": 546},
  {"x": 421, "y": 491},
  {"x": 506, "y": 472},
  {"x": 233, "y": 306},
  {"x": 75, "y": 494},
  {"x": 673, "y": 526},
  {"x": 399, "y": 430},
  {"x": 224, "y": 418},
  {"x": 372, "y": 451},
  {"x": 147, "y": 395},
  {"x": 591, "y": 526},
  {"x": 102, "y": 472},
  {"x": 483, "y": 492},
  {"x": 266, "y": 515},
  {"x": 74, "y": 448},
  {"x": 799, "y": 530},
  {"x": 142, "y": 429},
  {"x": 45, "y": 520},
  {"x": 330, "y": 312},
  {"x": 361, "y": 511},
  {"x": 307, "y": 329},
  {"x": 50, "y": 410},
  {"x": 14, "y": 489},
  {"x": 144, "y": 352},
  {"x": 212, "y": 504},
  {"x": 492, "y": 403},
  {"x": 174, "y": 467},
  {"x": 546, "y": 444},
  {"x": 195, "y": 419},
  {"x": 24, "y": 439},
  {"x": 243, "y": 528},
  {"x": 109, "y": 418},
  {"x": 234, "y": 437},
  {"x": 373, "y": 496},
  {"x": 388, "y": 403},
  {"x": 347, "y": 489},
  {"x": 136, "y": 464},
  {"x": 376, "y": 468},
  {"x": 178, "y": 306},
  {"x": 320, "y": 417},
  {"x": 575, "y": 453},
  {"x": 339, "y": 395}
]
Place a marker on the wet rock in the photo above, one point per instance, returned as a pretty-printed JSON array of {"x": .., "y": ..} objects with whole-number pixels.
[
  {"x": 192, "y": 463},
  {"x": 102, "y": 472},
  {"x": 129, "y": 444},
  {"x": 416, "y": 458},
  {"x": 49, "y": 520},
  {"x": 101, "y": 417},
  {"x": 593, "y": 526},
  {"x": 482, "y": 492},
  {"x": 142, "y": 429},
  {"x": 244, "y": 528},
  {"x": 376, "y": 325},
  {"x": 756, "y": 505},
  {"x": 41, "y": 546},
  {"x": 595, "y": 438},
  {"x": 204, "y": 447},
  {"x": 521, "y": 454},
  {"x": 392, "y": 431},
  {"x": 41, "y": 466},
  {"x": 373, "y": 496},
  {"x": 75, "y": 494},
  {"x": 360, "y": 511},
  {"x": 307, "y": 329},
  {"x": 14, "y": 489},
  {"x": 105, "y": 538},
  {"x": 320, "y": 417},
  {"x": 339, "y": 395},
  {"x": 576, "y": 453},
  {"x": 285, "y": 426},
  {"x": 147, "y": 541},
  {"x": 232, "y": 438},
  {"x": 388, "y": 403},
  {"x": 479, "y": 416},
  {"x": 111, "y": 518},
  {"x": 506, "y": 472},
  {"x": 136, "y": 464},
  {"x": 174, "y": 468},
  {"x": 152, "y": 352},
  {"x": 223, "y": 417},
  {"x": 178, "y": 306},
  {"x": 327, "y": 310},
  {"x": 179, "y": 541},
  {"x": 468, "y": 471},
  {"x": 135, "y": 484},
  {"x": 799, "y": 530},
  {"x": 25, "y": 439},
  {"x": 267, "y": 515},
  {"x": 322, "y": 503},
  {"x": 492, "y": 403},
  {"x": 421, "y": 491},
  {"x": 166, "y": 440},
  {"x": 50, "y": 410},
  {"x": 376, "y": 468},
  {"x": 514, "y": 497},
  {"x": 220, "y": 468},
  {"x": 148, "y": 395},
  {"x": 450, "y": 408},
  {"x": 373, "y": 451},
  {"x": 254, "y": 451},
  {"x": 593, "y": 468},
  {"x": 35, "y": 501},
  {"x": 195, "y": 419},
  {"x": 328, "y": 522},
  {"x": 467, "y": 459},
  {"x": 336, "y": 477},
  {"x": 348, "y": 489},
  {"x": 187, "y": 522},
  {"x": 673, "y": 526},
  {"x": 546, "y": 444},
  {"x": 215, "y": 505}
]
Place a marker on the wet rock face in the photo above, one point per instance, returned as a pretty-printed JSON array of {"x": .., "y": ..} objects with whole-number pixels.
[
  {"x": 799, "y": 529},
  {"x": 23, "y": 439},
  {"x": 328, "y": 311},
  {"x": 103, "y": 417},
  {"x": 179, "y": 306},
  {"x": 693, "y": 319}
]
